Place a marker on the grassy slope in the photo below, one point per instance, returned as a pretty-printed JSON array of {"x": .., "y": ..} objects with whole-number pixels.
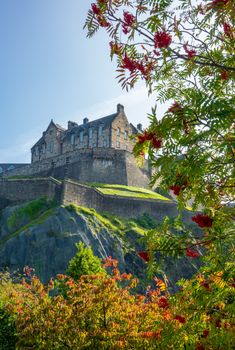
[
  {"x": 127, "y": 191},
  {"x": 114, "y": 223}
]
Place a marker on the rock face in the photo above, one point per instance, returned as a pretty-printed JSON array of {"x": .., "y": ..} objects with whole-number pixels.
[
  {"x": 48, "y": 246},
  {"x": 46, "y": 241}
]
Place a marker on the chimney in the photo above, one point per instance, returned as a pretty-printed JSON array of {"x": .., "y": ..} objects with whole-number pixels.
[
  {"x": 140, "y": 127},
  {"x": 120, "y": 108},
  {"x": 71, "y": 124},
  {"x": 85, "y": 120}
]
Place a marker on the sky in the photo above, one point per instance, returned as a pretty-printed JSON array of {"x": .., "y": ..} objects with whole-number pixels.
[{"x": 49, "y": 69}]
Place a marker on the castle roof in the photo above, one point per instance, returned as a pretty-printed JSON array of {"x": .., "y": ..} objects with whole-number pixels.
[
  {"x": 104, "y": 121},
  {"x": 57, "y": 126}
]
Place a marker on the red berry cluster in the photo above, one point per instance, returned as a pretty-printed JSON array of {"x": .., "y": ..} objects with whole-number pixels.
[
  {"x": 202, "y": 220},
  {"x": 179, "y": 318},
  {"x": 205, "y": 333},
  {"x": 175, "y": 108},
  {"x": 95, "y": 9},
  {"x": 128, "y": 21},
  {"x": 192, "y": 253},
  {"x": 227, "y": 30},
  {"x": 190, "y": 53},
  {"x": 99, "y": 15},
  {"x": 219, "y": 2},
  {"x": 176, "y": 189},
  {"x": 128, "y": 63},
  {"x": 144, "y": 255},
  {"x": 163, "y": 302},
  {"x": 115, "y": 48},
  {"x": 224, "y": 75},
  {"x": 162, "y": 40},
  {"x": 149, "y": 136}
]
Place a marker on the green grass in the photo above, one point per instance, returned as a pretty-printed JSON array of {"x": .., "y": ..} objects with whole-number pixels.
[
  {"x": 91, "y": 214},
  {"x": 114, "y": 223},
  {"x": 127, "y": 191},
  {"x": 39, "y": 220},
  {"x": 29, "y": 212},
  {"x": 131, "y": 193}
]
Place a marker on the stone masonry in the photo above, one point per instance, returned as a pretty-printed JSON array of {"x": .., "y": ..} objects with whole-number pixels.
[{"x": 96, "y": 151}]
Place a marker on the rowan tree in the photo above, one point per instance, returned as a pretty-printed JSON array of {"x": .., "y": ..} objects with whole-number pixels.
[{"x": 184, "y": 52}]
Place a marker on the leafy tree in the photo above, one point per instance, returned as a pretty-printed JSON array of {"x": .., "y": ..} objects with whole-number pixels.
[
  {"x": 84, "y": 262},
  {"x": 184, "y": 52}
]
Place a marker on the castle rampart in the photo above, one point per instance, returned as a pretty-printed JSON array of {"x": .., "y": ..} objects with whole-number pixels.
[
  {"x": 18, "y": 191},
  {"x": 105, "y": 165}
]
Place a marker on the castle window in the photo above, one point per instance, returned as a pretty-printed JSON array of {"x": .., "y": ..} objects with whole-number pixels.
[
  {"x": 125, "y": 134},
  {"x": 51, "y": 147},
  {"x": 100, "y": 130},
  {"x": 118, "y": 144},
  {"x": 81, "y": 136},
  {"x": 36, "y": 151},
  {"x": 118, "y": 131},
  {"x": 105, "y": 143},
  {"x": 90, "y": 133},
  {"x": 72, "y": 139},
  {"x": 43, "y": 148}
]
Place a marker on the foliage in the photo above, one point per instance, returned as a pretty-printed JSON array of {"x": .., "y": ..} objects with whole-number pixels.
[
  {"x": 100, "y": 312},
  {"x": 28, "y": 212},
  {"x": 8, "y": 336},
  {"x": 8, "y": 333},
  {"x": 84, "y": 263},
  {"x": 184, "y": 52}
]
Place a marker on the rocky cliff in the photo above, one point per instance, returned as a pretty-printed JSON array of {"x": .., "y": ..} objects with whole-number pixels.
[{"x": 43, "y": 236}]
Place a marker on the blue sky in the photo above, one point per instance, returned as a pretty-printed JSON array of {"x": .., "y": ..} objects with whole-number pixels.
[{"x": 48, "y": 69}]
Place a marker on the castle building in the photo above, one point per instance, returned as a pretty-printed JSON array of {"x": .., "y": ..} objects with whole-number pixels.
[
  {"x": 112, "y": 131},
  {"x": 96, "y": 151}
]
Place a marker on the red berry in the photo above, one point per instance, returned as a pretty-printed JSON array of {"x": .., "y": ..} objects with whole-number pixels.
[
  {"x": 205, "y": 333},
  {"x": 162, "y": 40},
  {"x": 175, "y": 108},
  {"x": 191, "y": 53},
  {"x": 224, "y": 75},
  {"x": 219, "y": 2},
  {"x": 227, "y": 30},
  {"x": 202, "y": 220},
  {"x": 128, "y": 20},
  {"x": 95, "y": 9},
  {"x": 179, "y": 318},
  {"x": 192, "y": 253},
  {"x": 144, "y": 256},
  {"x": 128, "y": 63},
  {"x": 176, "y": 189},
  {"x": 163, "y": 302}
]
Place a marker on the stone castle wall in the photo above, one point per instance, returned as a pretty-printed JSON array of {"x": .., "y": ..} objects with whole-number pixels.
[
  {"x": 125, "y": 207},
  {"x": 14, "y": 191},
  {"x": 90, "y": 165}
]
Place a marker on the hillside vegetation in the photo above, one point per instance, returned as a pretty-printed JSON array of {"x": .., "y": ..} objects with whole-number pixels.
[{"x": 127, "y": 191}]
